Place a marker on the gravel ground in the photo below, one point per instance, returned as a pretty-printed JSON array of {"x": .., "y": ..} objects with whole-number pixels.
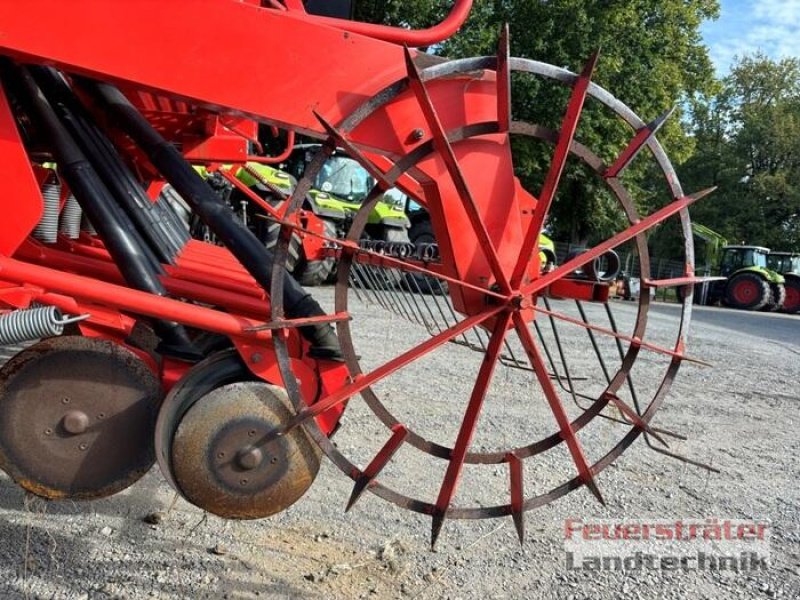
[{"x": 741, "y": 416}]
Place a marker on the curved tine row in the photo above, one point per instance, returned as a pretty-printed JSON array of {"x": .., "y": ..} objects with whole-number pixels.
[{"x": 424, "y": 252}]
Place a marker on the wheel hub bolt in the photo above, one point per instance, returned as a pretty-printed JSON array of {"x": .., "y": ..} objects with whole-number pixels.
[
  {"x": 249, "y": 458},
  {"x": 75, "y": 422}
]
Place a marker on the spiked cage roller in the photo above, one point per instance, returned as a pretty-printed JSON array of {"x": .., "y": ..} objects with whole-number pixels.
[{"x": 212, "y": 361}]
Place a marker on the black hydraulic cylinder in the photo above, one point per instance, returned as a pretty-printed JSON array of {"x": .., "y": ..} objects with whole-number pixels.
[
  {"x": 164, "y": 242},
  {"x": 118, "y": 235}
]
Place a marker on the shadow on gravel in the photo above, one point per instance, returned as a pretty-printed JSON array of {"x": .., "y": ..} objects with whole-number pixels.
[{"x": 103, "y": 550}]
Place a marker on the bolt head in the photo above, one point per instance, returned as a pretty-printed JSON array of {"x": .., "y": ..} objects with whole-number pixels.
[
  {"x": 249, "y": 458},
  {"x": 75, "y": 422}
]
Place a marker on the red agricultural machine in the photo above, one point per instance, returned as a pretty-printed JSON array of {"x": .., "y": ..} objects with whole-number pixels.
[{"x": 210, "y": 359}]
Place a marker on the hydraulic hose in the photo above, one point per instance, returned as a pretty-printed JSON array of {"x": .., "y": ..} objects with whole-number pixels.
[
  {"x": 219, "y": 217},
  {"x": 127, "y": 250}
]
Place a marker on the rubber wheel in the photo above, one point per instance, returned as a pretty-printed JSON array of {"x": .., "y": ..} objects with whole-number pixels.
[
  {"x": 791, "y": 303},
  {"x": 421, "y": 232},
  {"x": 396, "y": 234},
  {"x": 777, "y": 297},
  {"x": 747, "y": 291},
  {"x": 271, "y": 240},
  {"x": 311, "y": 273}
]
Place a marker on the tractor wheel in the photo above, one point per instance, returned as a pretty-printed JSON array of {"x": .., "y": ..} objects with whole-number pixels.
[
  {"x": 777, "y": 297},
  {"x": 747, "y": 291},
  {"x": 295, "y": 243},
  {"x": 311, "y": 273},
  {"x": 791, "y": 304},
  {"x": 396, "y": 235},
  {"x": 512, "y": 356}
]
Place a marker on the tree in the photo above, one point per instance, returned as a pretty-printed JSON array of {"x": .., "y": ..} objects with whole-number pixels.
[
  {"x": 748, "y": 139},
  {"x": 652, "y": 58}
]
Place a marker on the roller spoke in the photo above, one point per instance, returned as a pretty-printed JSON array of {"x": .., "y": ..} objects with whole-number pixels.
[
  {"x": 468, "y": 425},
  {"x": 557, "y": 408},
  {"x": 361, "y": 382},
  {"x": 559, "y": 161},
  {"x": 443, "y": 147},
  {"x": 376, "y": 465},
  {"x": 641, "y": 226}
]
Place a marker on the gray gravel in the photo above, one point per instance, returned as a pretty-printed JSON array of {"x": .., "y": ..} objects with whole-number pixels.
[{"x": 741, "y": 416}]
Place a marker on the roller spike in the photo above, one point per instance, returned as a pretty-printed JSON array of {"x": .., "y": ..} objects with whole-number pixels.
[
  {"x": 445, "y": 150},
  {"x": 592, "y": 485},
  {"x": 470, "y": 422},
  {"x": 436, "y": 527},
  {"x": 504, "y": 80},
  {"x": 639, "y": 141},
  {"x": 566, "y": 136},
  {"x": 384, "y": 455},
  {"x": 591, "y": 64},
  {"x": 634, "y": 418},
  {"x": 358, "y": 489},
  {"x": 411, "y": 67},
  {"x": 517, "y": 495}
]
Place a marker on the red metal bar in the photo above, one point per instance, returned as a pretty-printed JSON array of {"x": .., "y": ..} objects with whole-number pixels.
[
  {"x": 620, "y": 336},
  {"x": 361, "y": 382},
  {"x": 133, "y": 301},
  {"x": 557, "y": 408},
  {"x": 553, "y": 177},
  {"x": 469, "y": 424},
  {"x": 678, "y": 281},
  {"x": 445, "y": 150},
  {"x": 416, "y": 38},
  {"x": 251, "y": 195},
  {"x": 640, "y": 226},
  {"x": 640, "y": 140},
  {"x": 293, "y": 323},
  {"x": 376, "y": 465}
]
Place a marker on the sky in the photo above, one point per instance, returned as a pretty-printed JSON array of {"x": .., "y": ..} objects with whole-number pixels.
[{"x": 745, "y": 26}]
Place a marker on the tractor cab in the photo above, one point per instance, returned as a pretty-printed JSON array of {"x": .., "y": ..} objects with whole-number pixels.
[
  {"x": 784, "y": 262},
  {"x": 736, "y": 258},
  {"x": 339, "y": 189}
]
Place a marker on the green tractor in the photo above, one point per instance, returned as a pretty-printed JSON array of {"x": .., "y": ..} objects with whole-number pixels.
[
  {"x": 748, "y": 284},
  {"x": 788, "y": 265},
  {"x": 339, "y": 189}
]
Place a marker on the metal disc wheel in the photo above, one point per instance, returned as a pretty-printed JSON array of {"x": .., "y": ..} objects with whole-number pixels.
[
  {"x": 78, "y": 416},
  {"x": 576, "y": 402},
  {"x": 221, "y": 368},
  {"x": 219, "y": 465}
]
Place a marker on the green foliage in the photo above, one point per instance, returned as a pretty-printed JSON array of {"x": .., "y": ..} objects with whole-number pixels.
[
  {"x": 652, "y": 58},
  {"x": 748, "y": 140}
]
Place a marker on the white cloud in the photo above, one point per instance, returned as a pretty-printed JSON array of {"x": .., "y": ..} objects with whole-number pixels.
[{"x": 745, "y": 27}]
